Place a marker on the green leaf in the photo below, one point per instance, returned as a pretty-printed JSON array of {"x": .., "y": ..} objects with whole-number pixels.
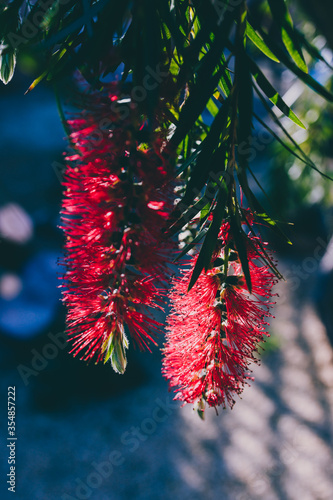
[
  {"x": 263, "y": 255},
  {"x": 276, "y": 137},
  {"x": 188, "y": 162},
  {"x": 293, "y": 49},
  {"x": 187, "y": 216},
  {"x": 210, "y": 196},
  {"x": 7, "y": 64},
  {"x": 36, "y": 82},
  {"x": 245, "y": 99},
  {"x": 204, "y": 212},
  {"x": 208, "y": 70},
  {"x": 209, "y": 244},
  {"x": 223, "y": 88},
  {"x": 175, "y": 65},
  {"x": 272, "y": 94},
  {"x": 115, "y": 350},
  {"x": 50, "y": 16},
  {"x": 255, "y": 38},
  {"x": 189, "y": 246},
  {"x": 305, "y": 158},
  {"x": 194, "y": 105},
  {"x": 212, "y": 107},
  {"x": 284, "y": 22},
  {"x": 208, "y": 161},
  {"x": 255, "y": 205},
  {"x": 311, "y": 49},
  {"x": 273, "y": 225},
  {"x": 225, "y": 81},
  {"x": 240, "y": 238},
  {"x": 306, "y": 78},
  {"x": 187, "y": 143}
]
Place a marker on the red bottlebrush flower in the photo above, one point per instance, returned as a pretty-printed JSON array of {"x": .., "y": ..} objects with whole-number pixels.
[
  {"x": 113, "y": 212},
  {"x": 215, "y": 328}
]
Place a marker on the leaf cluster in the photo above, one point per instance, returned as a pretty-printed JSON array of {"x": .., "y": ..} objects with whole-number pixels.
[{"x": 210, "y": 51}]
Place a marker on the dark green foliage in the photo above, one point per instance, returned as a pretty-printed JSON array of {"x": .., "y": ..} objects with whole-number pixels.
[{"x": 202, "y": 53}]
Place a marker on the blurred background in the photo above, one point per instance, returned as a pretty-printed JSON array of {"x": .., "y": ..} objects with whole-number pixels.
[{"x": 85, "y": 432}]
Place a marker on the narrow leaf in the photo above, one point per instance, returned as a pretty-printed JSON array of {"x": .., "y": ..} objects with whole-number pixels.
[
  {"x": 187, "y": 216},
  {"x": 284, "y": 22},
  {"x": 305, "y": 159},
  {"x": 239, "y": 240},
  {"x": 311, "y": 49},
  {"x": 209, "y": 243},
  {"x": 189, "y": 246},
  {"x": 255, "y": 38},
  {"x": 188, "y": 162},
  {"x": 272, "y": 94},
  {"x": 305, "y": 77},
  {"x": 208, "y": 161},
  {"x": 255, "y": 205},
  {"x": 7, "y": 64},
  {"x": 263, "y": 255},
  {"x": 293, "y": 48}
]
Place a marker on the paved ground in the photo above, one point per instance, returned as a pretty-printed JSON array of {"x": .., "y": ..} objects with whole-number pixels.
[{"x": 276, "y": 444}]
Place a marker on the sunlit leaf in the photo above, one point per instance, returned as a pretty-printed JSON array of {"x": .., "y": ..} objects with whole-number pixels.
[
  {"x": 209, "y": 243},
  {"x": 255, "y": 38},
  {"x": 273, "y": 95},
  {"x": 7, "y": 64},
  {"x": 283, "y": 20}
]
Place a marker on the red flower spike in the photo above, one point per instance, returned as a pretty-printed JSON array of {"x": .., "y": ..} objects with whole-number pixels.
[
  {"x": 215, "y": 328},
  {"x": 113, "y": 211}
]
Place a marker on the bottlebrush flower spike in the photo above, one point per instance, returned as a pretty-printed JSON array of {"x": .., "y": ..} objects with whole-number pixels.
[
  {"x": 215, "y": 328},
  {"x": 113, "y": 211}
]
